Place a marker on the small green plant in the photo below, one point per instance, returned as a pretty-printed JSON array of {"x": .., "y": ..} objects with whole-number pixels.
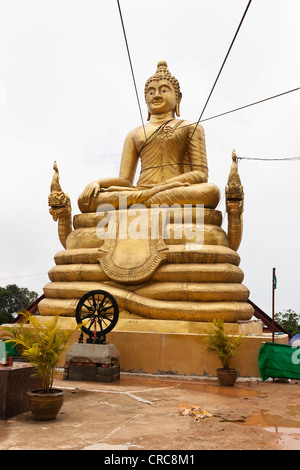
[
  {"x": 222, "y": 344},
  {"x": 41, "y": 344}
]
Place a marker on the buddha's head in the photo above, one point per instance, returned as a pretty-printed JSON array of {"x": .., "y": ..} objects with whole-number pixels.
[{"x": 162, "y": 92}]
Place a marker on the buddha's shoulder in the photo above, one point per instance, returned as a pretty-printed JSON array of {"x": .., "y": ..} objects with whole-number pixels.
[
  {"x": 183, "y": 123},
  {"x": 135, "y": 132}
]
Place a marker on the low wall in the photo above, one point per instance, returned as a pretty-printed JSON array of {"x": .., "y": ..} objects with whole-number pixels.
[
  {"x": 183, "y": 354},
  {"x": 162, "y": 347}
]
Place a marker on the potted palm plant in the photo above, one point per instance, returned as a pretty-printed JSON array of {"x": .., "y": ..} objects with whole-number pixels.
[
  {"x": 225, "y": 347},
  {"x": 41, "y": 344}
]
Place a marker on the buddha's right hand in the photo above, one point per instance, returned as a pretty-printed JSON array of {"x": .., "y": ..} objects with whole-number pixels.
[{"x": 90, "y": 191}]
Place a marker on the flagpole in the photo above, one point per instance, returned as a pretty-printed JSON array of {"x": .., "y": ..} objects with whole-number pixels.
[{"x": 273, "y": 302}]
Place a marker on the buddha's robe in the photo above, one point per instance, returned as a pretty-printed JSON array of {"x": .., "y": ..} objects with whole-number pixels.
[{"x": 169, "y": 157}]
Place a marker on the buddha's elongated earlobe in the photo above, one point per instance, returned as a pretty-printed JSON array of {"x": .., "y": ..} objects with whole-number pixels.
[
  {"x": 177, "y": 109},
  {"x": 149, "y": 116}
]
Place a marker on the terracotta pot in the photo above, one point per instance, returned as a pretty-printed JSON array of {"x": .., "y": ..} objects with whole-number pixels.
[
  {"x": 45, "y": 406},
  {"x": 227, "y": 377}
]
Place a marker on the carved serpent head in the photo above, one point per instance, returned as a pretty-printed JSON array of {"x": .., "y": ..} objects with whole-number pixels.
[{"x": 60, "y": 205}]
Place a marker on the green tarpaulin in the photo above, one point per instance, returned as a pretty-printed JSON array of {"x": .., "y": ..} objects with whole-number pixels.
[{"x": 279, "y": 361}]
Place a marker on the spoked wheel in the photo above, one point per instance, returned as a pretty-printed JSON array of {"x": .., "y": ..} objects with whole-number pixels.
[{"x": 97, "y": 312}]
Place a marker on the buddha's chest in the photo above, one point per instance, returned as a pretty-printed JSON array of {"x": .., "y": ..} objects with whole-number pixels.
[{"x": 161, "y": 140}]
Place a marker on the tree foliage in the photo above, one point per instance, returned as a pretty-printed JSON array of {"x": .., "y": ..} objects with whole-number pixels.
[
  {"x": 289, "y": 320},
  {"x": 14, "y": 299}
]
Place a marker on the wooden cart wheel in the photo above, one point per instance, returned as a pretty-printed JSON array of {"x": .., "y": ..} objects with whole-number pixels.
[{"x": 98, "y": 312}]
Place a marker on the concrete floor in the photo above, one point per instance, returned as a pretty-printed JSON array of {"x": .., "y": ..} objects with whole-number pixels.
[{"x": 142, "y": 413}]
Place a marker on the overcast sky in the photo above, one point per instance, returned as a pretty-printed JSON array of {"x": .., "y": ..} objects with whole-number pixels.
[{"x": 67, "y": 94}]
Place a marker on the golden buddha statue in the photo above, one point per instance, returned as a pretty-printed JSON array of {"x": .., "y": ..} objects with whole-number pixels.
[
  {"x": 173, "y": 165},
  {"x": 172, "y": 277}
]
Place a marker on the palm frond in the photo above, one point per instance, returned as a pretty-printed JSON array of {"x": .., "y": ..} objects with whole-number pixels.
[
  {"x": 42, "y": 344},
  {"x": 222, "y": 343}
]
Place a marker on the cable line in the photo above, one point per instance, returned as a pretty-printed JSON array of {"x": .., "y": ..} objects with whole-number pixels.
[
  {"x": 130, "y": 62},
  {"x": 251, "y": 104},
  {"x": 222, "y": 66},
  {"x": 156, "y": 132},
  {"x": 270, "y": 159},
  {"x": 24, "y": 275}
]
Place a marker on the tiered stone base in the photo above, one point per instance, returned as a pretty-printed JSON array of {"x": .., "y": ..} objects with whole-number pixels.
[
  {"x": 167, "y": 290},
  {"x": 191, "y": 283}
]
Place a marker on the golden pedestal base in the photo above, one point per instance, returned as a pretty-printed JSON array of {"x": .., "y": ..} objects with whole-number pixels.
[{"x": 131, "y": 322}]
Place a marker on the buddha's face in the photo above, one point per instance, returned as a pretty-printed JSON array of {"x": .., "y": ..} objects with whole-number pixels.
[{"x": 161, "y": 97}]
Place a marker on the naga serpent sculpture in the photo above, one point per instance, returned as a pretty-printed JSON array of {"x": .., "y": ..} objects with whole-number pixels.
[{"x": 60, "y": 208}]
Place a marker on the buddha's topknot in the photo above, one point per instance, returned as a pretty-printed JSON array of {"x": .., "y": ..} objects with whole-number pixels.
[{"x": 162, "y": 73}]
